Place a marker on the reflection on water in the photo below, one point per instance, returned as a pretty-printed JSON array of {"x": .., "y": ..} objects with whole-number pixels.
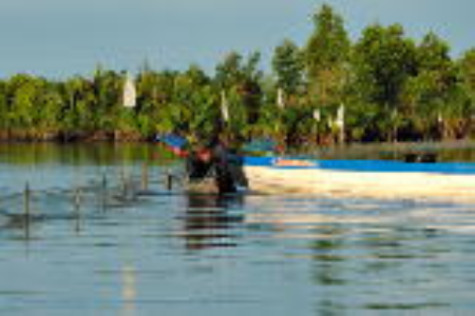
[
  {"x": 129, "y": 292},
  {"x": 168, "y": 253},
  {"x": 379, "y": 255},
  {"x": 209, "y": 221}
]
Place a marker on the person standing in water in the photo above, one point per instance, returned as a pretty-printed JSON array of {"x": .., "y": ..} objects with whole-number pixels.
[{"x": 216, "y": 160}]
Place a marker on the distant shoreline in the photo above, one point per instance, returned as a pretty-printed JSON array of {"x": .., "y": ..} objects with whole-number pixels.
[{"x": 30, "y": 136}]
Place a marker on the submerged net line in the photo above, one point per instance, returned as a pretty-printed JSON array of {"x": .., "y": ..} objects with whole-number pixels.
[{"x": 115, "y": 190}]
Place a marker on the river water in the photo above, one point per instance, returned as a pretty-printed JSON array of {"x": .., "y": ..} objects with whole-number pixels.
[{"x": 104, "y": 236}]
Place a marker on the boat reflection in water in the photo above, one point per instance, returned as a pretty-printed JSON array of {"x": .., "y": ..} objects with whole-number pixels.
[{"x": 212, "y": 221}]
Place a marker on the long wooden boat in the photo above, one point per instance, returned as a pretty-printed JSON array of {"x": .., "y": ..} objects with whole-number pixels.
[
  {"x": 415, "y": 177},
  {"x": 372, "y": 178}
]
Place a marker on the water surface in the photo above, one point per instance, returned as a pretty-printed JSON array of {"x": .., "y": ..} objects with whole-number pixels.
[{"x": 103, "y": 239}]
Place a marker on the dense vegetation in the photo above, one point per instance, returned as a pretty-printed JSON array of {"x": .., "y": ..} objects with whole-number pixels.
[{"x": 392, "y": 88}]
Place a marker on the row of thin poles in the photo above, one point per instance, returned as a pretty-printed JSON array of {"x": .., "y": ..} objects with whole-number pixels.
[{"x": 127, "y": 188}]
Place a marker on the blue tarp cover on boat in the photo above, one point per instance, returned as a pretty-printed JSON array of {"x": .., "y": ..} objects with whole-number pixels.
[
  {"x": 461, "y": 168},
  {"x": 172, "y": 140}
]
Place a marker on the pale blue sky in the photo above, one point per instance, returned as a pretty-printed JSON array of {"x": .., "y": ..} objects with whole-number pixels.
[{"x": 60, "y": 38}]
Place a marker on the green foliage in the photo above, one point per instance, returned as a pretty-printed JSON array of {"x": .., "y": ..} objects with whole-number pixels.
[
  {"x": 392, "y": 89},
  {"x": 466, "y": 70},
  {"x": 430, "y": 97},
  {"x": 288, "y": 67},
  {"x": 329, "y": 44},
  {"x": 328, "y": 70},
  {"x": 4, "y": 121},
  {"x": 240, "y": 81},
  {"x": 23, "y": 92},
  {"x": 383, "y": 60}
]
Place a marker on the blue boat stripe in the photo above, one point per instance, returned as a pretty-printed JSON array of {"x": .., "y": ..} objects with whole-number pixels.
[{"x": 461, "y": 168}]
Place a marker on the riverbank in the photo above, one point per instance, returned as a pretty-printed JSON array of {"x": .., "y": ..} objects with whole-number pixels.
[{"x": 34, "y": 135}]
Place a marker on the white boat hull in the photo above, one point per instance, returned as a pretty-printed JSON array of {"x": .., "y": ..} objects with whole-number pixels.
[{"x": 265, "y": 179}]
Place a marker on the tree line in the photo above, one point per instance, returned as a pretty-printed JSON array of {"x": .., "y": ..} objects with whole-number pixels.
[{"x": 391, "y": 87}]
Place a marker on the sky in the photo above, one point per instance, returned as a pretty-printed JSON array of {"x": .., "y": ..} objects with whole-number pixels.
[{"x": 63, "y": 38}]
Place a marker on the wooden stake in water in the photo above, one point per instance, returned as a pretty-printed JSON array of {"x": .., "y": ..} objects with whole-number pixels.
[
  {"x": 77, "y": 199},
  {"x": 27, "y": 195},
  {"x": 104, "y": 192},
  {"x": 27, "y": 198},
  {"x": 145, "y": 176},
  {"x": 169, "y": 180},
  {"x": 125, "y": 187},
  {"x": 77, "y": 208}
]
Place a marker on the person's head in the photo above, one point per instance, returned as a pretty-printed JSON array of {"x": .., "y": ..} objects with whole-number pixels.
[{"x": 203, "y": 154}]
